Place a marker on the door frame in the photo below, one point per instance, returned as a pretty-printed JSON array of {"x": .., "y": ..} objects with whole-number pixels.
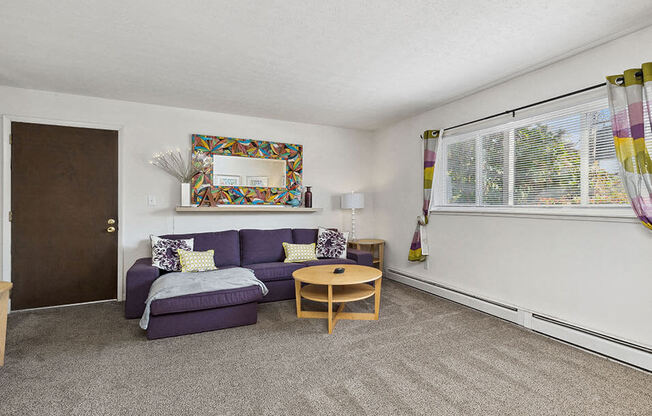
[{"x": 5, "y": 273}]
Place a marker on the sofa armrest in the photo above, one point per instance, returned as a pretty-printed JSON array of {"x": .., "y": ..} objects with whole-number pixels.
[
  {"x": 363, "y": 258},
  {"x": 139, "y": 279}
]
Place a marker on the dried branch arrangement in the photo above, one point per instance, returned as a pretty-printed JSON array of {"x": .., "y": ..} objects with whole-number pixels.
[{"x": 183, "y": 168}]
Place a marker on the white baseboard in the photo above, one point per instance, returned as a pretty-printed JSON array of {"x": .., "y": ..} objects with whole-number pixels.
[{"x": 610, "y": 347}]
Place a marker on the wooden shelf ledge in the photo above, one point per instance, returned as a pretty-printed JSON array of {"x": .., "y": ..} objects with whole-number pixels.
[{"x": 248, "y": 208}]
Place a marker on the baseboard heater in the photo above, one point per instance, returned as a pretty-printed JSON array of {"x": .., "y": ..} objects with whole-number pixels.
[
  {"x": 611, "y": 347},
  {"x": 501, "y": 310}
]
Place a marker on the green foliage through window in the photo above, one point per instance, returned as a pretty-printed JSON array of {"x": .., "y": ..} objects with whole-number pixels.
[{"x": 566, "y": 160}]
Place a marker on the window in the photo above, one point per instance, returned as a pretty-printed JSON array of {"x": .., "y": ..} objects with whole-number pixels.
[{"x": 564, "y": 158}]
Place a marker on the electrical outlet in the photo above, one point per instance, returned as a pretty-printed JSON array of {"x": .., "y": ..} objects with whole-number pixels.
[{"x": 151, "y": 200}]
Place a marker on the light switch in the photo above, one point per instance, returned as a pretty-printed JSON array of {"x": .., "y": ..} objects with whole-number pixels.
[{"x": 151, "y": 200}]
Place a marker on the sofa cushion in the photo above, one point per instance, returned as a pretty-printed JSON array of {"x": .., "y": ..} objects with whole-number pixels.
[
  {"x": 304, "y": 235},
  {"x": 225, "y": 244},
  {"x": 268, "y": 272},
  {"x": 263, "y": 246},
  {"x": 207, "y": 300},
  {"x": 321, "y": 262}
]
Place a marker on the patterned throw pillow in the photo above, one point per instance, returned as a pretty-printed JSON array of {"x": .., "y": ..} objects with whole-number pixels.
[
  {"x": 197, "y": 261},
  {"x": 164, "y": 252},
  {"x": 331, "y": 244},
  {"x": 297, "y": 253}
]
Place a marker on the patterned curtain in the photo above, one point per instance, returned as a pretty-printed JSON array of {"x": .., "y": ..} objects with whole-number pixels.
[
  {"x": 629, "y": 98},
  {"x": 419, "y": 246}
]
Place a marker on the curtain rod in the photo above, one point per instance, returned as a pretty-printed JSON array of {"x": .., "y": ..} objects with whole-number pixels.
[{"x": 513, "y": 112}]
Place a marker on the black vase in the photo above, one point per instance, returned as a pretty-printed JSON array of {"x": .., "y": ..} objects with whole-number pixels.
[{"x": 307, "y": 198}]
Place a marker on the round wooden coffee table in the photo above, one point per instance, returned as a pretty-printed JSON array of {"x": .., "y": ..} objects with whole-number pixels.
[{"x": 325, "y": 286}]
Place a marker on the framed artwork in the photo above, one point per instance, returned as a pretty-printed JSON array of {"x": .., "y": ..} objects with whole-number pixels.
[
  {"x": 226, "y": 180},
  {"x": 256, "y": 193},
  {"x": 255, "y": 181}
]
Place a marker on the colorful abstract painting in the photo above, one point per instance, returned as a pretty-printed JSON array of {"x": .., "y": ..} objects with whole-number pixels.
[{"x": 245, "y": 195}]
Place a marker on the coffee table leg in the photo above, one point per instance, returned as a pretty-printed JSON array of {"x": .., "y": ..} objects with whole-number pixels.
[
  {"x": 297, "y": 294},
  {"x": 377, "y": 299},
  {"x": 330, "y": 309},
  {"x": 4, "y": 300}
]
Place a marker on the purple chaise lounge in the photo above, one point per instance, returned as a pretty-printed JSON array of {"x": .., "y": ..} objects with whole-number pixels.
[{"x": 258, "y": 250}]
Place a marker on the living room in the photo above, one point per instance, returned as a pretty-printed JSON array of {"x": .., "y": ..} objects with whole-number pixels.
[{"x": 474, "y": 166}]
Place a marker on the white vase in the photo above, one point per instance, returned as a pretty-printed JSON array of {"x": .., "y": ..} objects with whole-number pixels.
[{"x": 185, "y": 194}]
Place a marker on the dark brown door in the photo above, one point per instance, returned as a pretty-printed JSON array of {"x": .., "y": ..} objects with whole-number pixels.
[{"x": 64, "y": 192}]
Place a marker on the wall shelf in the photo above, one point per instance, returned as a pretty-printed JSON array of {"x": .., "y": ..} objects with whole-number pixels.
[{"x": 248, "y": 208}]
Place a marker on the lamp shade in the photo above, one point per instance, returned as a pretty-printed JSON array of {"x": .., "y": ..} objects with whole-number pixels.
[{"x": 353, "y": 200}]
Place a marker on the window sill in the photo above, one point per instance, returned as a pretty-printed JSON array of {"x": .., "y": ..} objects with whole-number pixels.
[{"x": 608, "y": 214}]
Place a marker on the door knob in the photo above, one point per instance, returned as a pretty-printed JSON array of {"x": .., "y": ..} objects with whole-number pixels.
[
  {"x": 110, "y": 221},
  {"x": 110, "y": 230}
]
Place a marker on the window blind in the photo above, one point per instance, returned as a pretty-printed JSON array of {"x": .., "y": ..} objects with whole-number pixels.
[{"x": 557, "y": 158}]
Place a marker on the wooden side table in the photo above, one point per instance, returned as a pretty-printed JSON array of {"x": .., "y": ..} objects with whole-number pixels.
[
  {"x": 375, "y": 246},
  {"x": 5, "y": 287}
]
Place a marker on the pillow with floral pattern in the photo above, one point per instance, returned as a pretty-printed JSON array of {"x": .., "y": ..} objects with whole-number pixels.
[
  {"x": 331, "y": 244},
  {"x": 165, "y": 255}
]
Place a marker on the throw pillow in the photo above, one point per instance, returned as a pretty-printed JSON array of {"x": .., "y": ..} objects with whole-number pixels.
[
  {"x": 297, "y": 253},
  {"x": 164, "y": 252},
  {"x": 197, "y": 261},
  {"x": 331, "y": 244}
]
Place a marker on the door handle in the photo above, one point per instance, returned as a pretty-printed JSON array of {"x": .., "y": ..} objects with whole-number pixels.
[
  {"x": 110, "y": 221},
  {"x": 110, "y": 230}
]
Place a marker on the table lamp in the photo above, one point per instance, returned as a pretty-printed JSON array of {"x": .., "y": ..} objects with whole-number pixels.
[{"x": 352, "y": 201}]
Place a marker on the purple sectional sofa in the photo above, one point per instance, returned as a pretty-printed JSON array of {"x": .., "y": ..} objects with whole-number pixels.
[{"x": 258, "y": 250}]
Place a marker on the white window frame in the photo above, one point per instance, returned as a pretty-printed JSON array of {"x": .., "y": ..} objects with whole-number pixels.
[{"x": 608, "y": 212}]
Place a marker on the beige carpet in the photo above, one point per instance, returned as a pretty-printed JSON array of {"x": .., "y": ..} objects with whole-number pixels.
[{"x": 424, "y": 356}]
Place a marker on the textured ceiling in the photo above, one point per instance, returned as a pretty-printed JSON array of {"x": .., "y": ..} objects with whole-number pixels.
[{"x": 351, "y": 63}]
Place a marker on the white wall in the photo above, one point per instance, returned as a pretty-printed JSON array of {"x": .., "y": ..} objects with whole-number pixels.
[
  {"x": 336, "y": 160},
  {"x": 597, "y": 275}
]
